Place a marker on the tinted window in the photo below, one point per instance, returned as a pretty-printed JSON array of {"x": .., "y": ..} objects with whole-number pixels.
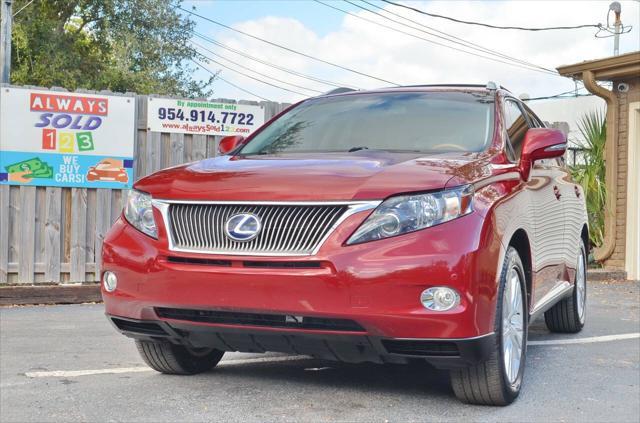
[
  {"x": 391, "y": 121},
  {"x": 535, "y": 122},
  {"x": 516, "y": 126}
]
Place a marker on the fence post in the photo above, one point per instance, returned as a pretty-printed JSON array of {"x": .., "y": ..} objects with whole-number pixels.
[{"x": 4, "y": 233}]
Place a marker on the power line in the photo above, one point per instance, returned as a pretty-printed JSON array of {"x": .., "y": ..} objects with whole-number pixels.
[
  {"x": 229, "y": 82},
  {"x": 558, "y": 97},
  {"x": 251, "y": 70},
  {"x": 434, "y": 42},
  {"x": 566, "y": 94},
  {"x": 550, "y": 28},
  {"x": 242, "y": 89},
  {"x": 287, "y": 48},
  {"x": 252, "y": 77},
  {"x": 445, "y": 36},
  {"x": 520, "y": 63},
  {"x": 23, "y": 7},
  {"x": 264, "y": 62}
]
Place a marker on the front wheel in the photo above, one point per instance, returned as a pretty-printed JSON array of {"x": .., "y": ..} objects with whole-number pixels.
[
  {"x": 497, "y": 381},
  {"x": 169, "y": 358}
]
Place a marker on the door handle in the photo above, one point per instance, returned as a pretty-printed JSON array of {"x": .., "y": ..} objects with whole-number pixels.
[{"x": 556, "y": 191}]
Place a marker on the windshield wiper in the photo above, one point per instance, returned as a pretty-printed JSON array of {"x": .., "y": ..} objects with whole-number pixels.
[{"x": 354, "y": 149}]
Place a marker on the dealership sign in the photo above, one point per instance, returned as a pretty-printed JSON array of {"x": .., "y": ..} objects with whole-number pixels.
[
  {"x": 202, "y": 117},
  {"x": 60, "y": 139}
]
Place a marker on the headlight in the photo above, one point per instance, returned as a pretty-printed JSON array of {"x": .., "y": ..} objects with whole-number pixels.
[
  {"x": 139, "y": 213},
  {"x": 408, "y": 213}
]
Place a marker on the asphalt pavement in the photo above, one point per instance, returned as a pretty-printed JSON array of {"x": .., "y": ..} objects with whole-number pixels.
[{"x": 66, "y": 363}]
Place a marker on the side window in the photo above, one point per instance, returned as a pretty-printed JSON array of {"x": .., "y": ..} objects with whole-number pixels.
[
  {"x": 533, "y": 119},
  {"x": 516, "y": 126},
  {"x": 535, "y": 122}
]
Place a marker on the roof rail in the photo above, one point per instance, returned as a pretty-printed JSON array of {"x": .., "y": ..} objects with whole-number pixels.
[
  {"x": 489, "y": 86},
  {"x": 492, "y": 86},
  {"x": 339, "y": 90},
  {"x": 442, "y": 85}
]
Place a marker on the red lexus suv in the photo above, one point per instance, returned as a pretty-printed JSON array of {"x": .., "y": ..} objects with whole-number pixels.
[{"x": 423, "y": 223}]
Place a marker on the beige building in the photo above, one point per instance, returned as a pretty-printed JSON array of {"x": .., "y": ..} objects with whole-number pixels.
[{"x": 621, "y": 246}]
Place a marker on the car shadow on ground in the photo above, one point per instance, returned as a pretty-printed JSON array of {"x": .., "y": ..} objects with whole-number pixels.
[{"x": 416, "y": 378}]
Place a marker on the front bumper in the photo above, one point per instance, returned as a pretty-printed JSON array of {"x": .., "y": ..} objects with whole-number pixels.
[
  {"x": 377, "y": 285},
  {"x": 349, "y": 347}
]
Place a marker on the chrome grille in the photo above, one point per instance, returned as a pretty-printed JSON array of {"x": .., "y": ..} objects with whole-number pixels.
[{"x": 287, "y": 229}]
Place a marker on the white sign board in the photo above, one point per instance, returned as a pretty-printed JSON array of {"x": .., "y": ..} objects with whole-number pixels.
[
  {"x": 202, "y": 117},
  {"x": 51, "y": 138}
]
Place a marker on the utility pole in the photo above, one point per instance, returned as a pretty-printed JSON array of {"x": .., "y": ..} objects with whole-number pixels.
[
  {"x": 5, "y": 42},
  {"x": 616, "y": 8}
]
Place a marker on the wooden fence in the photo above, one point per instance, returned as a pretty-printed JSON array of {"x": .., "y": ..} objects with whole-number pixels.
[{"x": 51, "y": 235}]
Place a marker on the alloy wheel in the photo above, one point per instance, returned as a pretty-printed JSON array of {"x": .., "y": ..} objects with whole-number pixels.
[
  {"x": 512, "y": 325},
  {"x": 581, "y": 287}
]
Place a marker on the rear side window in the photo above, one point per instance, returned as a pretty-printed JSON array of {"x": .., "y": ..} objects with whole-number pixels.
[{"x": 516, "y": 126}]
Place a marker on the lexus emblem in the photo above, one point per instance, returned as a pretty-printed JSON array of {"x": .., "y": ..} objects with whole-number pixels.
[{"x": 242, "y": 227}]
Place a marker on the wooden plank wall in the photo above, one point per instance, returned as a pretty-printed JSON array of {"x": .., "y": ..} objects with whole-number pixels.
[{"x": 54, "y": 235}]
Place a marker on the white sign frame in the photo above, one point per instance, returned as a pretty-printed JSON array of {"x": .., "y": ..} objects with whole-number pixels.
[
  {"x": 66, "y": 139},
  {"x": 199, "y": 117}
]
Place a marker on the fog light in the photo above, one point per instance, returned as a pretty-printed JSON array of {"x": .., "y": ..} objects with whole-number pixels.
[
  {"x": 439, "y": 298},
  {"x": 110, "y": 281}
]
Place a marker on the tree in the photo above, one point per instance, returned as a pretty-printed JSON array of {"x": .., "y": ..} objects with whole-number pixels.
[{"x": 120, "y": 45}]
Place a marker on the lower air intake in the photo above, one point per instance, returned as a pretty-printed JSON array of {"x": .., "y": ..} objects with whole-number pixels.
[
  {"x": 255, "y": 319},
  {"x": 422, "y": 348}
]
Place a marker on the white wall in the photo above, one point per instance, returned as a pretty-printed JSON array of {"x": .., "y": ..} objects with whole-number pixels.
[{"x": 568, "y": 110}]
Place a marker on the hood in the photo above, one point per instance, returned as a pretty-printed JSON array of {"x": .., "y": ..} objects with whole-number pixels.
[{"x": 364, "y": 175}]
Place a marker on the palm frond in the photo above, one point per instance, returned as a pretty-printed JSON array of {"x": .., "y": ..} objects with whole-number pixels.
[{"x": 591, "y": 174}]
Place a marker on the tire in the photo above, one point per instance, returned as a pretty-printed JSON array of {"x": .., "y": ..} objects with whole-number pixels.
[
  {"x": 172, "y": 359},
  {"x": 568, "y": 315},
  {"x": 489, "y": 382}
]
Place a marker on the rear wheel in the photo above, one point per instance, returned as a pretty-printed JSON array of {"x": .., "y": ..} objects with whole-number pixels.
[
  {"x": 169, "y": 358},
  {"x": 497, "y": 381},
  {"x": 568, "y": 315}
]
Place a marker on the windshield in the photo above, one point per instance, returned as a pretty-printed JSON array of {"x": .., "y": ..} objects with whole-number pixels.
[{"x": 425, "y": 122}]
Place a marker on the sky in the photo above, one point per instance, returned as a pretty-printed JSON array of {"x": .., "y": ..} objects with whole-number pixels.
[{"x": 397, "y": 58}]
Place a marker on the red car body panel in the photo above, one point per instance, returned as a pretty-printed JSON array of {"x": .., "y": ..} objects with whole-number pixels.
[
  {"x": 352, "y": 282},
  {"x": 377, "y": 284},
  {"x": 312, "y": 177}
]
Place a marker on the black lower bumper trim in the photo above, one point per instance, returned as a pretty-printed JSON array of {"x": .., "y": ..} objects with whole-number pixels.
[
  {"x": 141, "y": 327},
  {"x": 427, "y": 348},
  {"x": 259, "y": 319},
  {"x": 351, "y": 348}
]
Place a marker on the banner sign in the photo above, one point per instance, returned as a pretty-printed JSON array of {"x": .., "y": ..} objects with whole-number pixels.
[
  {"x": 202, "y": 117},
  {"x": 60, "y": 139}
]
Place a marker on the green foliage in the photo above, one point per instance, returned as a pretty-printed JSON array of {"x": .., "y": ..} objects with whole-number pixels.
[
  {"x": 119, "y": 45},
  {"x": 591, "y": 175}
]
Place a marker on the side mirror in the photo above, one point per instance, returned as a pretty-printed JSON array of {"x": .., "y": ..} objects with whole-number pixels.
[
  {"x": 538, "y": 144},
  {"x": 230, "y": 143}
]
